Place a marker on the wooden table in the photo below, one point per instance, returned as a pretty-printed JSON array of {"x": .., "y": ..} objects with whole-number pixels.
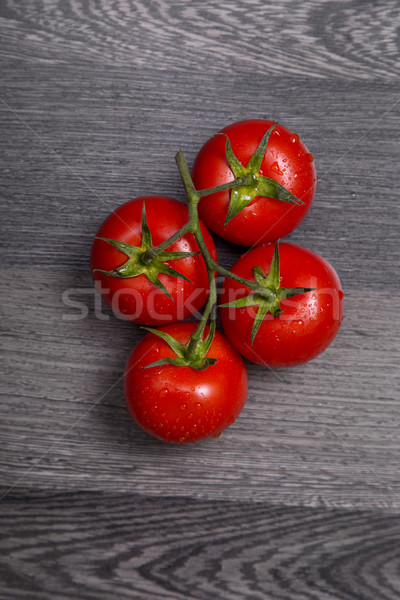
[{"x": 300, "y": 498}]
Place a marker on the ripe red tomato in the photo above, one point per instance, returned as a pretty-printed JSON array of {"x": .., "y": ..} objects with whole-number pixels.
[
  {"x": 286, "y": 161},
  {"x": 309, "y": 321},
  {"x": 137, "y": 298},
  {"x": 181, "y": 404}
]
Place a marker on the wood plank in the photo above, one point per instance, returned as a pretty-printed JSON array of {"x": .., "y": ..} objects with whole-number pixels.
[
  {"x": 124, "y": 546},
  {"x": 325, "y": 433},
  {"x": 75, "y": 160},
  {"x": 316, "y": 38}
]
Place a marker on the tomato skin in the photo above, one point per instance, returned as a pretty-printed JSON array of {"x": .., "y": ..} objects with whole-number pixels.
[
  {"x": 136, "y": 298},
  {"x": 309, "y": 322},
  {"x": 286, "y": 160},
  {"x": 180, "y": 404}
]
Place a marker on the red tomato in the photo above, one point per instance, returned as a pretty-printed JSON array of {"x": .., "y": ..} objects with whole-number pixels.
[
  {"x": 309, "y": 322},
  {"x": 286, "y": 161},
  {"x": 137, "y": 298},
  {"x": 180, "y": 404}
]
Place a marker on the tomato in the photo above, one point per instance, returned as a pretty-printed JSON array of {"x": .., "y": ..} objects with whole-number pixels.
[
  {"x": 309, "y": 321},
  {"x": 181, "y": 404},
  {"x": 286, "y": 161},
  {"x": 143, "y": 298}
]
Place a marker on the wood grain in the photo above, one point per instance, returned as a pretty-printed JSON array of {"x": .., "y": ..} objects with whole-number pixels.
[
  {"x": 102, "y": 546},
  {"x": 84, "y": 152},
  {"x": 325, "y": 433},
  {"x": 317, "y": 38}
]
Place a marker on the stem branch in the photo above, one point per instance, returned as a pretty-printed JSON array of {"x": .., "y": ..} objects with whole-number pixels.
[
  {"x": 197, "y": 347},
  {"x": 243, "y": 180},
  {"x": 178, "y": 234},
  {"x": 194, "y": 225}
]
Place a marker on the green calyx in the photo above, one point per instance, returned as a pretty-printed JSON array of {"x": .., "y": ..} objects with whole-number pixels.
[
  {"x": 255, "y": 183},
  {"x": 144, "y": 260},
  {"x": 193, "y": 354},
  {"x": 266, "y": 293}
]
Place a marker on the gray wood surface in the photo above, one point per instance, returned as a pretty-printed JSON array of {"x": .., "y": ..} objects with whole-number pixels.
[
  {"x": 300, "y": 498},
  {"x": 91, "y": 545}
]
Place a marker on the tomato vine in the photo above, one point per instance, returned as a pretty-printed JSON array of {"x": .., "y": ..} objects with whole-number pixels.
[
  {"x": 186, "y": 381},
  {"x": 150, "y": 260}
]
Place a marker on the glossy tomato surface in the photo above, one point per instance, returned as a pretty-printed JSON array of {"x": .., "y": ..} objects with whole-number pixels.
[
  {"x": 286, "y": 160},
  {"x": 136, "y": 298},
  {"x": 310, "y": 321},
  {"x": 180, "y": 404}
]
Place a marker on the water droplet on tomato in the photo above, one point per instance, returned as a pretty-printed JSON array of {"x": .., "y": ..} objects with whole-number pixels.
[
  {"x": 164, "y": 392},
  {"x": 309, "y": 157},
  {"x": 295, "y": 138},
  {"x": 216, "y": 435},
  {"x": 341, "y": 294},
  {"x": 198, "y": 406},
  {"x": 297, "y": 323},
  {"x": 276, "y": 169},
  {"x": 183, "y": 406}
]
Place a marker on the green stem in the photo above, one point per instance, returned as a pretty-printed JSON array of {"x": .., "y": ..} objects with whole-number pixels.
[
  {"x": 223, "y": 271},
  {"x": 191, "y": 192},
  {"x": 209, "y": 312},
  {"x": 197, "y": 347},
  {"x": 241, "y": 181},
  {"x": 194, "y": 224},
  {"x": 193, "y": 199},
  {"x": 152, "y": 252}
]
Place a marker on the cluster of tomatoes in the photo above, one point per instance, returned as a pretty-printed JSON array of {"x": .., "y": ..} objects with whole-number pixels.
[{"x": 154, "y": 262}]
